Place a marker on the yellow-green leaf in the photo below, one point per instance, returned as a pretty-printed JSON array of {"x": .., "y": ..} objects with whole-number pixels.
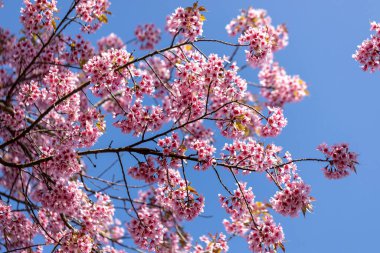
[
  {"x": 103, "y": 18},
  {"x": 239, "y": 126},
  {"x": 100, "y": 127},
  {"x": 54, "y": 24},
  {"x": 192, "y": 189},
  {"x": 182, "y": 147}
]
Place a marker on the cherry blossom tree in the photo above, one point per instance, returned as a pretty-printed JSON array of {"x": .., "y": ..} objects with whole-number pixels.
[{"x": 172, "y": 105}]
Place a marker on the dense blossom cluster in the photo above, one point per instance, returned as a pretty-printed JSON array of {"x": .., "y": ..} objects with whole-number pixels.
[
  {"x": 291, "y": 200},
  {"x": 267, "y": 237},
  {"x": 255, "y": 27},
  {"x": 103, "y": 71},
  {"x": 279, "y": 88},
  {"x": 205, "y": 154},
  {"x": 38, "y": 15},
  {"x": 148, "y": 36},
  {"x": 341, "y": 159},
  {"x": 59, "y": 94},
  {"x": 248, "y": 18},
  {"x": 251, "y": 155},
  {"x": 186, "y": 21},
  {"x": 80, "y": 52},
  {"x": 275, "y": 123},
  {"x": 260, "y": 46},
  {"x": 93, "y": 13},
  {"x": 7, "y": 42},
  {"x": 236, "y": 205},
  {"x": 368, "y": 53},
  {"x": 110, "y": 41},
  {"x": 147, "y": 231},
  {"x": 16, "y": 229},
  {"x": 251, "y": 220}
]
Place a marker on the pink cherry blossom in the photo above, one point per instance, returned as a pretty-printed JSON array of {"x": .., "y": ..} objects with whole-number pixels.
[
  {"x": 251, "y": 155},
  {"x": 260, "y": 45},
  {"x": 342, "y": 161},
  {"x": 147, "y": 231},
  {"x": 267, "y": 238},
  {"x": 93, "y": 13},
  {"x": 17, "y": 230},
  {"x": 367, "y": 54},
  {"x": 38, "y": 15},
  {"x": 214, "y": 243},
  {"x": 275, "y": 123},
  {"x": 148, "y": 36},
  {"x": 110, "y": 41},
  {"x": 186, "y": 21},
  {"x": 291, "y": 200},
  {"x": 279, "y": 88}
]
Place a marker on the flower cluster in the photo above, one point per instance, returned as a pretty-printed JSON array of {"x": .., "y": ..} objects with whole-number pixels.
[
  {"x": 76, "y": 242},
  {"x": 275, "y": 123},
  {"x": 267, "y": 237},
  {"x": 251, "y": 220},
  {"x": 148, "y": 36},
  {"x": 279, "y": 88},
  {"x": 16, "y": 229},
  {"x": 188, "y": 22},
  {"x": 80, "y": 52},
  {"x": 29, "y": 93},
  {"x": 236, "y": 205},
  {"x": 99, "y": 215},
  {"x": 141, "y": 119},
  {"x": 93, "y": 13},
  {"x": 368, "y": 53},
  {"x": 158, "y": 73},
  {"x": 258, "y": 18},
  {"x": 205, "y": 153},
  {"x": 184, "y": 202},
  {"x": 63, "y": 164},
  {"x": 260, "y": 42},
  {"x": 146, "y": 171},
  {"x": 147, "y": 231},
  {"x": 102, "y": 71},
  {"x": 250, "y": 155},
  {"x": 38, "y": 16},
  {"x": 7, "y": 43},
  {"x": 291, "y": 200},
  {"x": 341, "y": 160},
  {"x": 62, "y": 197},
  {"x": 111, "y": 41},
  {"x": 214, "y": 243},
  {"x": 246, "y": 19}
]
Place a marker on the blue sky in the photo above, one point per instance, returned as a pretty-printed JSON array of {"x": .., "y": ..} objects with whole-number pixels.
[{"x": 342, "y": 107}]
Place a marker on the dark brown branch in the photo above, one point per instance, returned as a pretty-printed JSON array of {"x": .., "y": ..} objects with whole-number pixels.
[{"x": 50, "y": 108}]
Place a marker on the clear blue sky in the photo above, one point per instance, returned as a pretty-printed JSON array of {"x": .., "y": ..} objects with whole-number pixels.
[{"x": 343, "y": 107}]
